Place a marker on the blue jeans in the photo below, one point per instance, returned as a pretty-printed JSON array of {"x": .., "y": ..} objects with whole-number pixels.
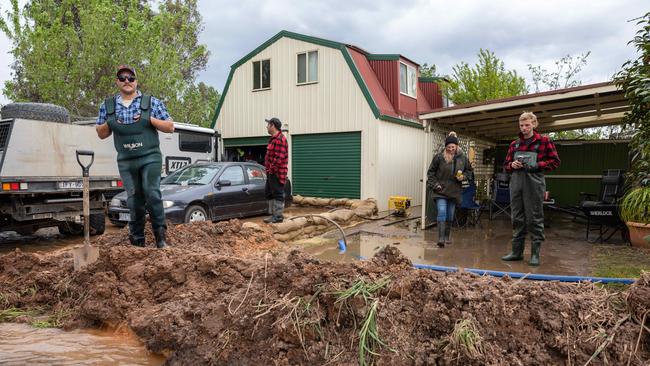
[{"x": 446, "y": 208}]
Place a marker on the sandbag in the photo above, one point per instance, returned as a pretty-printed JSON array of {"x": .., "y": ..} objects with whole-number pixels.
[
  {"x": 338, "y": 202},
  {"x": 322, "y": 202},
  {"x": 342, "y": 216},
  {"x": 286, "y": 226},
  {"x": 288, "y": 236},
  {"x": 297, "y": 199}
]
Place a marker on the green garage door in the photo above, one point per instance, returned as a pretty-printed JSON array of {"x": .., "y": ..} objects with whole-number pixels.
[{"x": 327, "y": 165}]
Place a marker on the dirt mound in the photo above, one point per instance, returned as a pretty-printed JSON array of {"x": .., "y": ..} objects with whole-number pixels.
[{"x": 219, "y": 296}]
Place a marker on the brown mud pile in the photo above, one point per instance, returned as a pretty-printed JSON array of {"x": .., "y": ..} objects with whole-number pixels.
[{"x": 224, "y": 294}]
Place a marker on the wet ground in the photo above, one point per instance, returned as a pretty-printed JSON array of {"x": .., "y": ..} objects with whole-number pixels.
[
  {"x": 24, "y": 345},
  {"x": 565, "y": 251}
]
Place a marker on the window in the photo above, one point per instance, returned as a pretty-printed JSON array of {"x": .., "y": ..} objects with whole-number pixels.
[
  {"x": 194, "y": 142},
  {"x": 261, "y": 74},
  {"x": 234, "y": 174},
  {"x": 308, "y": 67},
  {"x": 407, "y": 80},
  {"x": 255, "y": 175}
]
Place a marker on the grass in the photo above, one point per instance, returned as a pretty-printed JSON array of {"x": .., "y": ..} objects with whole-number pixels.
[
  {"x": 363, "y": 289},
  {"x": 619, "y": 262},
  {"x": 465, "y": 337}
]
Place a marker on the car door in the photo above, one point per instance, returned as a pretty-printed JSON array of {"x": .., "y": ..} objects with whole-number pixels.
[
  {"x": 231, "y": 194},
  {"x": 256, "y": 187}
]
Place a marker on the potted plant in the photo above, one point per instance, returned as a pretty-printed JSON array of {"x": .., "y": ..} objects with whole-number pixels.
[
  {"x": 634, "y": 80},
  {"x": 635, "y": 211}
]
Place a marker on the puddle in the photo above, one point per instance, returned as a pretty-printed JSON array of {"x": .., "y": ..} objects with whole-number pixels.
[
  {"x": 21, "y": 344},
  {"x": 480, "y": 248}
]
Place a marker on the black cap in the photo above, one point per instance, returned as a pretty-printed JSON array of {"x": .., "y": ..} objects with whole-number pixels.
[
  {"x": 276, "y": 122},
  {"x": 451, "y": 140}
]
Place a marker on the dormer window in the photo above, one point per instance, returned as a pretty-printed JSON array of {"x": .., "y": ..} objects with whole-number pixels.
[{"x": 407, "y": 80}]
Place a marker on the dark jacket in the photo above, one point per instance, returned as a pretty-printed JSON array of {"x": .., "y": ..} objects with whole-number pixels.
[{"x": 443, "y": 173}]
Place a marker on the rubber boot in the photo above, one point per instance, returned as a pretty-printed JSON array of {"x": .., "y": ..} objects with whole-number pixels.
[
  {"x": 278, "y": 211},
  {"x": 448, "y": 233},
  {"x": 516, "y": 254},
  {"x": 136, "y": 242},
  {"x": 534, "y": 254},
  {"x": 441, "y": 233},
  {"x": 159, "y": 234},
  {"x": 269, "y": 219}
]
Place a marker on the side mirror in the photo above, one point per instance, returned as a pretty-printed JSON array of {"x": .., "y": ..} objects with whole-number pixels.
[{"x": 223, "y": 183}]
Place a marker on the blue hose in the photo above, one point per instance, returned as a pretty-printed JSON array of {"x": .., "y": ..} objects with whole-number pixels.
[
  {"x": 529, "y": 276},
  {"x": 342, "y": 246}
]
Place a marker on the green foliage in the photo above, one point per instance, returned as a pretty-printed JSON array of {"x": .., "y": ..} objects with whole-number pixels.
[
  {"x": 66, "y": 52},
  {"x": 486, "y": 80},
  {"x": 635, "y": 206},
  {"x": 634, "y": 79},
  {"x": 428, "y": 71},
  {"x": 564, "y": 76}
]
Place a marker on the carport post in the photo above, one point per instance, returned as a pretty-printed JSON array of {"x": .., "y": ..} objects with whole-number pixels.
[{"x": 425, "y": 153}]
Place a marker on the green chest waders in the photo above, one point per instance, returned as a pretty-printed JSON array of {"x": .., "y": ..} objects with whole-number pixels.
[{"x": 140, "y": 162}]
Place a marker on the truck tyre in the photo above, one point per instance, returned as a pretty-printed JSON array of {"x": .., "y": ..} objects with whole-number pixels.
[
  {"x": 97, "y": 224},
  {"x": 36, "y": 111},
  {"x": 26, "y": 230},
  {"x": 288, "y": 197},
  {"x": 71, "y": 228}
]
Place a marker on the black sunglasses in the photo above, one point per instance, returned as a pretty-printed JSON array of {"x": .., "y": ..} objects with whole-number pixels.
[{"x": 124, "y": 78}]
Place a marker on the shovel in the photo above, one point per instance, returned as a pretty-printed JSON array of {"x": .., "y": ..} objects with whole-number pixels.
[{"x": 85, "y": 255}]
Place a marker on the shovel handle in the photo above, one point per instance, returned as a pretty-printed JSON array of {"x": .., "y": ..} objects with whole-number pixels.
[{"x": 85, "y": 168}]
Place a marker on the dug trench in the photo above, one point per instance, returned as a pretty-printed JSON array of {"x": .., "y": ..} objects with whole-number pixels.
[{"x": 229, "y": 294}]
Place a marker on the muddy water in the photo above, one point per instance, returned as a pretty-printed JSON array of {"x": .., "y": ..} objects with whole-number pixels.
[
  {"x": 565, "y": 252},
  {"x": 21, "y": 344}
]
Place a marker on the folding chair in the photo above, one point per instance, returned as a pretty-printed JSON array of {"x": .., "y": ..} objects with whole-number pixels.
[
  {"x": 500, "y": 200},
  {"x": 470, "y": 211},
  {"x": 603, "y": 215}
]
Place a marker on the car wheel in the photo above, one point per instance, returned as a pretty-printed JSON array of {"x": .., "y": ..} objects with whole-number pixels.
[{"x": 195, "y": 214}]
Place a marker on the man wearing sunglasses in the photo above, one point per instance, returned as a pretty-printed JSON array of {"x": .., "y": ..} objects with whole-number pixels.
[{"x": 134, "y": 120}]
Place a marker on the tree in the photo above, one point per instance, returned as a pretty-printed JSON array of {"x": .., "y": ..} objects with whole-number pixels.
[
  {"x": 486, "y": 80},
  {"x": 428, "y": 71},
  {"x": 566, "y": 70},
  {"x": 634, "y": 79},
  {"x": 66, "y": 52}
]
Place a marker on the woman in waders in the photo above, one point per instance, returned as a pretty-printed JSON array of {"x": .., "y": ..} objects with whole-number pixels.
[
  {"x": 134, "y": 119},
  {"x": 528, "y": 158}
]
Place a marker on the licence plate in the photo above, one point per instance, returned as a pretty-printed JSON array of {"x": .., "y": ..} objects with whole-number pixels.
[
  {"x": 125, "y": 216},
  {"x": 69, "y": 185}
]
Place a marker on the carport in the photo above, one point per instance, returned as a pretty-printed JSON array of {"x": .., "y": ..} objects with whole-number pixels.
[{"x": 481, "y": 125}]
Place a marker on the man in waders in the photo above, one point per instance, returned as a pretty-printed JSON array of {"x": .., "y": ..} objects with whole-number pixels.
[
  {"x": 276, "y": 164},
  {"x": 134, "y": 119},
  {"x": 528, "y": 158}
]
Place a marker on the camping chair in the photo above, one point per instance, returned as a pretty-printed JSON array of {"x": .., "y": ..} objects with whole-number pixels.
[
  {"x": 603, "y": 215},
  {"x": 500, "y": 200},
  {"x": 470, "y": 211}
]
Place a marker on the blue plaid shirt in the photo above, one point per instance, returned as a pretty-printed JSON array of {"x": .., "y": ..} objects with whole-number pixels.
[{"x": 125, "y": 115}]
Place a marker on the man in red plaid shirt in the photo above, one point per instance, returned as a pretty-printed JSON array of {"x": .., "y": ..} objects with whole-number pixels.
[
  {"x": 276, "y": 161},
  {"x": 528, "y": 158}
]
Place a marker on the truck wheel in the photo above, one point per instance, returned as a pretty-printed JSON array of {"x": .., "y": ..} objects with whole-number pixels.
[
  {"x": 195, "y": 214},
  {"x": 288, "y": 197},
  {"x": 97, "y": 224},
  {"x": 36, "y": 111},
  {"x": 71, "y": 228},
  {"x": 25, "y": 231}
]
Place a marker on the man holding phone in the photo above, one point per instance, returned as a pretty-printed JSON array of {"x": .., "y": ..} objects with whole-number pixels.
[
  {"x": 134, "y": 120},
  {"x": 528, "y": 158}
]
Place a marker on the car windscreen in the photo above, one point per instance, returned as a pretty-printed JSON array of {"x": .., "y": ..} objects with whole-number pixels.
[{"x": 192, "y": 175}]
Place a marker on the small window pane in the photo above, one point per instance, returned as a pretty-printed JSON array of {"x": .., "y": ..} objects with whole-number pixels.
[
  {"x": 302, "y": 68},
  {"x": 402, "y": 78},
  {"x": 194, "y": 142},
  {"x": 255, "y": 175},
  {"x": 313, "y": 66},
  {"x": 256, "y": 75},
  {"x": 234, "y": 174},
  {"x": 266, "y": 74},
  {"x": 412, "y": 82}
]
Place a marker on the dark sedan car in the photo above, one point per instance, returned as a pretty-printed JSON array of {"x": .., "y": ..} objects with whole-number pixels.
[{"x": 207, "y": 191}]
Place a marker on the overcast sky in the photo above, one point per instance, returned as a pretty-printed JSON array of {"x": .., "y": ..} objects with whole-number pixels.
[{"x": 439, "y": 32}]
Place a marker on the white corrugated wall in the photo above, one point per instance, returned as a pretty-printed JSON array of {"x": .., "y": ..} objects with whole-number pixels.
[
  {"x": 400, "y": 162},
  {"x": 334, "y": 104}
]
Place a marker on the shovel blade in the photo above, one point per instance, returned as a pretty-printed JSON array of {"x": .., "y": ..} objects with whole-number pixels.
[{"x": 84, "y": 255}]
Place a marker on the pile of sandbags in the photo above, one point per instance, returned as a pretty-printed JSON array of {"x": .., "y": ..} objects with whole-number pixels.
[{"x": 351, "y": 211}]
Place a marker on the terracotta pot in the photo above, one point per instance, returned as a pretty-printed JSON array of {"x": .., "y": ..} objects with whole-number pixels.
[{"x": 638, "y": 234}]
